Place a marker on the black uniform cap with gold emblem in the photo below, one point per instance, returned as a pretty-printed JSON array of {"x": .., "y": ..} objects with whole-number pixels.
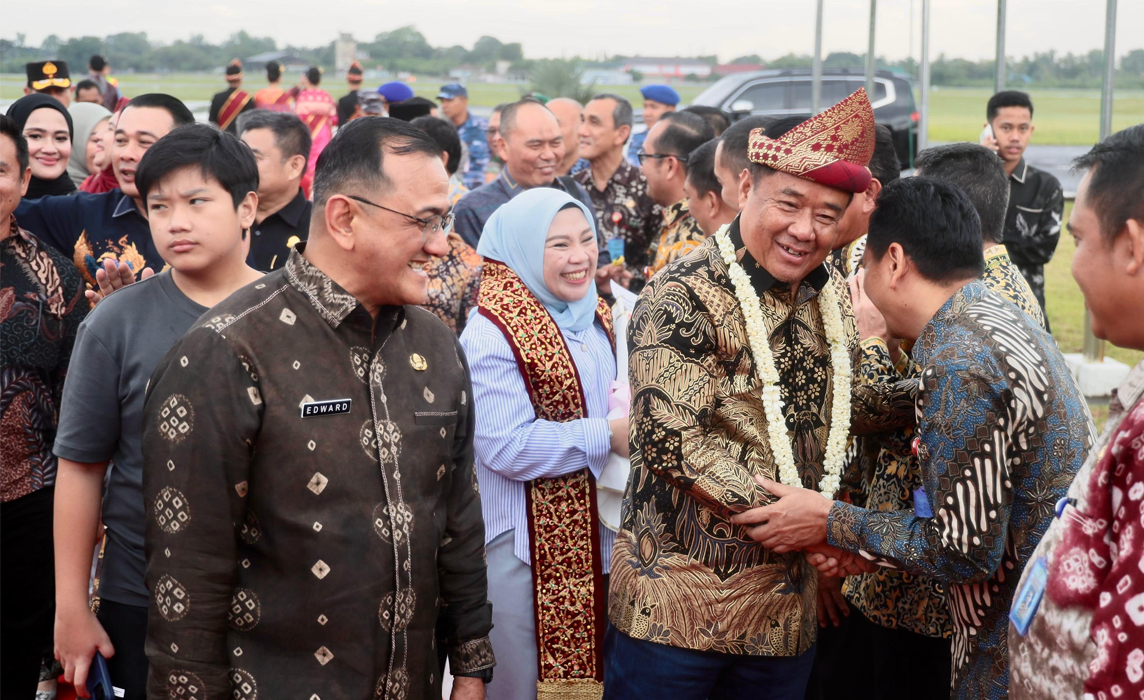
[{"x": 48, "y": 74}]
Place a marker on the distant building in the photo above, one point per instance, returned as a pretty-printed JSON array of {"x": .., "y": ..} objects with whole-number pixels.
[
  {"x": 605, "y": 76},
  {"x": 345, "y": 52},
  {"x": 654, "y": 69},
  {"x": 288, "y": 60},
  {"x": 733, "y": 68}
]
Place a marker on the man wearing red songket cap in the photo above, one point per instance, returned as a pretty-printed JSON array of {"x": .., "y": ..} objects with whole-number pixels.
[
  {"x": 231, "y": 102},
  {"x": 740, "y": 367}
]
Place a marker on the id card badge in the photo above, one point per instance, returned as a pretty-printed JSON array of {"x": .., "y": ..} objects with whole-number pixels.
[
  {"x": 616, "y": 248},
  {"x": 1029, "y": 597},
  {"x": 922, "y": 507}
]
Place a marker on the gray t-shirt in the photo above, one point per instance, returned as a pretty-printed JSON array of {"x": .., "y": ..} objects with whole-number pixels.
[{"x": 101, "y": 418}]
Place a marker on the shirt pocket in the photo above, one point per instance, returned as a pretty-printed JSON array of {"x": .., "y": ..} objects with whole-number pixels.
[{"x": 435, "y": 418}]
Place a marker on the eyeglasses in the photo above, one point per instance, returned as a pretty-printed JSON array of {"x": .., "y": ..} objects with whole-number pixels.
[
  {"x": 643, "y": 155},
  {"x": 429, "y": 227}
]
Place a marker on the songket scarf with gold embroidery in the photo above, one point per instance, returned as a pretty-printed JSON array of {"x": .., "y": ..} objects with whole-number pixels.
[{"x": 563, "y": 524}]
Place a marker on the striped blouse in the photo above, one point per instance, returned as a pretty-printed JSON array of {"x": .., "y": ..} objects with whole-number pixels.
[{"x": 513, "y": 447}]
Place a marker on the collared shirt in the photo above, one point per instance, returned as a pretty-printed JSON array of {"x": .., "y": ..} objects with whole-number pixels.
[
  {"x": 477, "y": 206},
  {"x": 347, "y": 107},
  {"x": 1033, "y": 223},
  {"x": 624, "y": 210},
  {"x": 682, "y": 574},
  {"x": 457, "y": 189},
  {"x": 679, "y": 236},
  {"x": 313, "y": 515},
  {"x": 848, "y": 258},
  {"x": 1086, "y": 636},
  {"x": 454, "y": 281},
  {"x": 41, "y": 307},
  {"x": 91, "y": 228},
  {"x": 514, "y": 447},
  {"x": 473, "y": 133},
  {"x": 272, "y": 239},
  {"x": 891, "y": 597},
  {"x": 1002, "y": 430}
]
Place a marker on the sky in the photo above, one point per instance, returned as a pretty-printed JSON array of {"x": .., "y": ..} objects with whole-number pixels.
[{"x": 594, "y": 28}]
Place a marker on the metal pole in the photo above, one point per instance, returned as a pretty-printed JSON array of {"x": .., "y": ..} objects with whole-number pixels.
[
  {"x": 923, "y": 122},
  {"x": 999, "y": 71},
  {"x": 1093, "y": 346},
  {"x": 870, "y": 67},
  {"x": 816, "y": 71}
]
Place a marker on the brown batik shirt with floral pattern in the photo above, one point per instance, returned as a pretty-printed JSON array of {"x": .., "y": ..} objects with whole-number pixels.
[
  {"x": 682, "y": 574},
  {"x": 314, "y": 522},
  {"x": 454, "y": 280},
  {"x": 626, "y": 211}
]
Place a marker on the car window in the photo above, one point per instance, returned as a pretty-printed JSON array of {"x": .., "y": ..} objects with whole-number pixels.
[
  {"x": 800, "y": 95},
  {"x": 833, "y": 91},
  {"x": 765, "y": 96}
]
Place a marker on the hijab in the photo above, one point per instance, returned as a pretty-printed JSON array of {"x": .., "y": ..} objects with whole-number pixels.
[
  {"x": 19, "y": 111},
  {"x": 86, "y": 116},
  {"x": 516, "y": 234}
]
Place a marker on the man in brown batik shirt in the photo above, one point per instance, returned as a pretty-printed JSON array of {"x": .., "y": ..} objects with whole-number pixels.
[{"x": 314, "y": 525}]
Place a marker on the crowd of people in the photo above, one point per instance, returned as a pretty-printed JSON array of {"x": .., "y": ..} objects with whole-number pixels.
[{"x": 321, "y": 400}]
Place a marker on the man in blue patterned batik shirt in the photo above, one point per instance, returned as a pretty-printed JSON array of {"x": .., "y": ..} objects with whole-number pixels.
[
  {"x": 1001, "y": 431},
  {"x": 471, "y": 128}
]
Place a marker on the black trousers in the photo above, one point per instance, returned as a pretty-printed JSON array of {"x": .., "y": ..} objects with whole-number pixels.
[
  {"x": 126, "y": 626},
  {"x": 27, "y": 591},
  {"x": 864, "y": 661}
]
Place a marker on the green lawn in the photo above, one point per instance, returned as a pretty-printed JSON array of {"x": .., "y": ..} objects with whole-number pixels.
[
  {"x": 1066, "y": 304},
  {"x": 1061, "y": 117}
]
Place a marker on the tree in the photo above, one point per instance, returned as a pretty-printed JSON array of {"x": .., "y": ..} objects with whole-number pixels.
[
  {"x": 486, "y": 50},
  {"x": 753, "y": 59},
  {"x": 562, "y": 78}
]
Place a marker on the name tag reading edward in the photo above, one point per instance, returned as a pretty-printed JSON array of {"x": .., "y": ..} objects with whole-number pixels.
[{"x": 326, "y": 408}]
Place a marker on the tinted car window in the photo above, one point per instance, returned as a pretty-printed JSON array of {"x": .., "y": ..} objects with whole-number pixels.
[
  {"x": 800, "y": 95},
  {"x": 833, "y": 92},
  {"x": 766, "y": 96}
]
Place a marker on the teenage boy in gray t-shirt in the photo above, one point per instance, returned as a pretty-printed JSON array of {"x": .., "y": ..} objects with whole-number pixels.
[{"x": 199, "y": 188}]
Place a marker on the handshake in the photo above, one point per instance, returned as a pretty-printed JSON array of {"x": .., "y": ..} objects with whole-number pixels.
[{"x": 797, "y": 521}]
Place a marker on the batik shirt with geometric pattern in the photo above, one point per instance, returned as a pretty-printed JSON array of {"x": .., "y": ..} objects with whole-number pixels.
[
  {"x": 891, "y": 597},
  {"x": 679, "y": 236},
  {"x": 454, "y": 280},
  {"x": 1002, "y": 431},
  {"x": 682, "y": 574},
  {"x": 321, "y": 555}
]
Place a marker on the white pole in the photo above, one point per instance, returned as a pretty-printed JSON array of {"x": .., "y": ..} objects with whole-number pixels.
[
  {"x": 870, "y": 67},
  {"x": 923, "y": 122},
  {"x": 999, "y": 71},
  {"x": 816, "y": 71}
]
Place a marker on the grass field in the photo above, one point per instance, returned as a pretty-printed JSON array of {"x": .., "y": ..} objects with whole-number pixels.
[{"x": 1063, "y": 117}]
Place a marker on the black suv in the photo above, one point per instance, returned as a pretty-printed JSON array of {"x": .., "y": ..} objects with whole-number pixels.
[{"x": 779, "y": 93}]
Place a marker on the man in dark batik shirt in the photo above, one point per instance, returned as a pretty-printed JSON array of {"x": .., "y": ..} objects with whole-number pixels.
[
  {"x": 1036, "y": 203},
  {"x": 1001, "y": 431},
  {"x": 625, "y": 212},
  {"x": 314, "y": 524}
]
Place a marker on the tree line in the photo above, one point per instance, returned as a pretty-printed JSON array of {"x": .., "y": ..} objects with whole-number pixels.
[{"x": 406, "y": 49}]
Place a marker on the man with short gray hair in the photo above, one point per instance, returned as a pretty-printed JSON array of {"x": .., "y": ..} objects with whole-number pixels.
[
  {"x": 626, "y": 215},
  {"x": 281, "y": 146}
]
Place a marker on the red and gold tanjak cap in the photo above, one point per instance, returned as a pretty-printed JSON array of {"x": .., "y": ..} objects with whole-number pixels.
[
  {"x": 354, "y": 73},
  {"x": 234, "y": 71},
  {"x": 832, "y": 148}
]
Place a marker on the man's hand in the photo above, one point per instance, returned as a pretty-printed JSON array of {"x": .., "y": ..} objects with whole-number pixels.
[
  {"x": 871, "y": 322},
  {"x": 620, "y": 444},
  {"x": 831, "y": 561},
  {"x": 78, "y": 636},
  {"x": 832, "y": 605},
  {"x": 467, "y": 688},
  {"x": 113, "y": 276},
  {"x": 991, "y": 144},
  {"x": 796, "y": 521}
]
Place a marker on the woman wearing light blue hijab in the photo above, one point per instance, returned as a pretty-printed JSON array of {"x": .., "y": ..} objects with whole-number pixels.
[{"x": 547, "y": 240}]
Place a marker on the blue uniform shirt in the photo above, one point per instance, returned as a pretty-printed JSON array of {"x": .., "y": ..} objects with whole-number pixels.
[
  {"x": 634, "y": 147},
  {"x": 473, "y": 135},
  {"x": 91, "y": 228}
]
